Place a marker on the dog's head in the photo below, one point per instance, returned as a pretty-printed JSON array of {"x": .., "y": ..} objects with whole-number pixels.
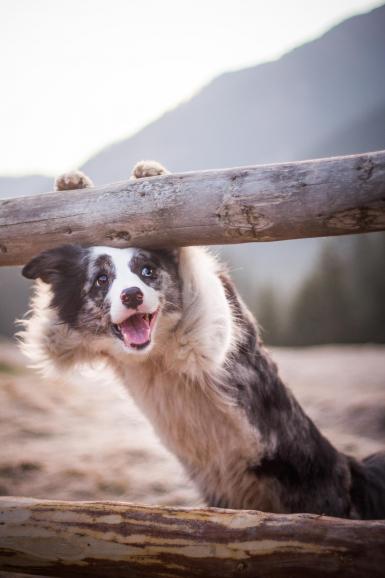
[{"x": 126, "y": 295}]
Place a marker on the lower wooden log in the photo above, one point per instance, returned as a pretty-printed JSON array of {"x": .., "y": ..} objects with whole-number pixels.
[{"x": 105, "y": 539}]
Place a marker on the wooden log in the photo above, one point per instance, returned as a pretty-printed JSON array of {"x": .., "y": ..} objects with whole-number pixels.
[
  {"x": 324, "y": 197},
  {"x": 115, "y": 539}
]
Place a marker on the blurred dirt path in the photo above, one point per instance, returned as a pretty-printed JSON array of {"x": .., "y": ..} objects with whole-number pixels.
[{"x": 84, "y": 439}]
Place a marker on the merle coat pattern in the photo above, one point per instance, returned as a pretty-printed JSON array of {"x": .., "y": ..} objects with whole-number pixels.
[{"x": 188, "y": 351}]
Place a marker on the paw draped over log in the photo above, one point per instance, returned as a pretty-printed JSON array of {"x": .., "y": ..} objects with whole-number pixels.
[{"x": 72, "y": 181}]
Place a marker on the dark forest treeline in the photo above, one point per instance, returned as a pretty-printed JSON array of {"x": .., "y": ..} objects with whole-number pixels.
[{"x": 342, "y": 300}]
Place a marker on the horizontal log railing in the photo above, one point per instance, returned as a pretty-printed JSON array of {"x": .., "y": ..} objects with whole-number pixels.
[
  {"x": 316, "y": 198},
  {"x": 105, "y": 539}
]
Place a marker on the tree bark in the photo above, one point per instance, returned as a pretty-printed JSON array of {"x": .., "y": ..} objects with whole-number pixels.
[
  {"x": 324, "y": 197},
  {"x": 102, "y": 539}
]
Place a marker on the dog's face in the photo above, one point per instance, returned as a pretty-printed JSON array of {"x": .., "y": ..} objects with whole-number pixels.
[{"x": 121, "y": 294}]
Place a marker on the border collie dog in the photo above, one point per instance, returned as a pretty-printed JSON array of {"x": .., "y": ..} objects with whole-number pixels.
[{"x": 177, "y": 334}]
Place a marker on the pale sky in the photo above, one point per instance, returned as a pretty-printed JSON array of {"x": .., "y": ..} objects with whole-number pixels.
[{"x": 77, "y": 75}]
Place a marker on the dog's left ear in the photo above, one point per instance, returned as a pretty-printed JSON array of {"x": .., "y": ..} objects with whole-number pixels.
[{"x": 52, "y": 265}]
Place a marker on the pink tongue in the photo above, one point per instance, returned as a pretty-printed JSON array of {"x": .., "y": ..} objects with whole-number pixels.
[{"x": 135, "y": 330}]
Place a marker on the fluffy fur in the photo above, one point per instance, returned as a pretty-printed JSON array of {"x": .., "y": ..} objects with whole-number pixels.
[{"x": 203, "y": 377}]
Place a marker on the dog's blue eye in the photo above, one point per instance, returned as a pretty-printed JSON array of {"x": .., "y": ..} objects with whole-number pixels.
[
  {"x": 102, "y": 280},
  {"x": 148, "y": 271}
]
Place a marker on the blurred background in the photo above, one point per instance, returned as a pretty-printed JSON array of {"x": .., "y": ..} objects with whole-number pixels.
[{"x": 99, "y": 85}]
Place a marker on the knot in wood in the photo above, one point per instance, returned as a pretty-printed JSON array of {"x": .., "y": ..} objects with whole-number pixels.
[{"x": 242, "y": 218}]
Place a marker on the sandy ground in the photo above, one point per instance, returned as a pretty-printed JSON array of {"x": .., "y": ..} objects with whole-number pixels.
[{"x": 84, "y": 439}]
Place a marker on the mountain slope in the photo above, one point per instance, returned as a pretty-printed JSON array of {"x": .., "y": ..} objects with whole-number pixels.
[
  {"x": 366, "y": 133},
  {"x": 278, "y": 111},
  {"x": 22, "y": 186}
]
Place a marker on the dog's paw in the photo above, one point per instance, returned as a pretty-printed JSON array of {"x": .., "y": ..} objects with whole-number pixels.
[
  {"x": 145, "y": 169},
  {"x": 72, "y": 180}
]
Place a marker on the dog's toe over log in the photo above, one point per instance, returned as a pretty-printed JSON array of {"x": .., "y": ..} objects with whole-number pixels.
[{"x": 105, "y": 539}]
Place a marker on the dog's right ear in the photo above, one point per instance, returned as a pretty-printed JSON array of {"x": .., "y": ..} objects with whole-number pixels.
[{"x": 54, "y": 264}]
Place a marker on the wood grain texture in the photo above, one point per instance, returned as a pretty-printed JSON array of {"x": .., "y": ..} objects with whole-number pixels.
[
  {"x": 324, "y": 197},
  {"x": 115, "y": 539}
]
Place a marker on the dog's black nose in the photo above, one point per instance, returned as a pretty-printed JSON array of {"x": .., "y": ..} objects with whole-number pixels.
[{"x": 131, "y": 297}]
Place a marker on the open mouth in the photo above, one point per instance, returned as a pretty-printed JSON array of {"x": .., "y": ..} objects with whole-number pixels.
[{"x": 135, "y": 331}]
